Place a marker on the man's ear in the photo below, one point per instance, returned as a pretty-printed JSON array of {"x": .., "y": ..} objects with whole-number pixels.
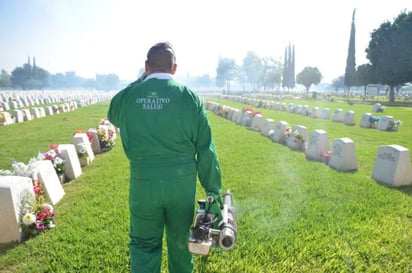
[
  {"x": 174, "y": 67},
  {"x": 146, "y": 67}
]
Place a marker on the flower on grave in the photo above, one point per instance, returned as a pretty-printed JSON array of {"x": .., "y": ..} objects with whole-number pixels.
[
  {"x": 36, "y": 215},
  {"x": 288, "y": 131},
  {"x": 82, "y": 151},
  {"x": 2, "y": 119},
  {"x": 105, "y": 135},
  {"x": 54, "y": 156},
  {"x": 89, "y": 134}
]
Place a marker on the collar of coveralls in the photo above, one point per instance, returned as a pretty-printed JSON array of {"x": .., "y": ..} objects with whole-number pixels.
[{"x": 160, "y": 76}]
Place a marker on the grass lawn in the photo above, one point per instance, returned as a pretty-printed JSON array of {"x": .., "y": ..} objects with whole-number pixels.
[{"x": 293, "y": 215}]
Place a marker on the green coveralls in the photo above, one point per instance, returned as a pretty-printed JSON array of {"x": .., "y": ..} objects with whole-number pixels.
[{"x": 167, "y": 139}]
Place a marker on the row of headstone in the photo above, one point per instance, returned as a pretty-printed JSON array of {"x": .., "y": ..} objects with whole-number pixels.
[
  {"x": 385, "y": 123},
  {"x": 13, "y": 188},
  {"x": 392, "y": 163}
]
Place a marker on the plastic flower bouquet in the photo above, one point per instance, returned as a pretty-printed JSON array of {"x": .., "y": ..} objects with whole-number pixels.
[
  {"x": 54, "y": 156},
  {"x": 36, "y": 215}
]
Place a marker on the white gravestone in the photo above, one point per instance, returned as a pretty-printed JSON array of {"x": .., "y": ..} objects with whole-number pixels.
[
  {"x": 325, "y": 113},
  {"x": 298, "y": 138},
  {"x": 51, "y": 182},
  {"x": 343, "y": 156},
  {"x": 257, "y": 123},
  {"x": 12, "y": 190},
  {"x": 279, "y": 134},
  {"x": 27, "y": 115},
  {"x": 18, "y": 115},
  {"x": 377, "y": 107},
  {"x": 349, "y": 118},
  {"x": 366, "y": 120},
  {"x": 6, "y": 118},
  {"x": 237, "y": 114},
  {"x": 393, "y": 166},
  {"x": 95, "y": 142},
  {"x": 49, "y": 110},
  {"x": 385, "y": 123},
  {"x": 72, "y": 168},
  {"x": 35, "y": 112},
  {"x": 338, "y": 115},
  {"x": 318, "y": 145},
  {"x": 81, "y": 139},
  {"x": 267, "y": 127},
  {"x": 315, "y": 112},
  {"x": 305, "y": 110},
  {"x": 246, "y": 118}
]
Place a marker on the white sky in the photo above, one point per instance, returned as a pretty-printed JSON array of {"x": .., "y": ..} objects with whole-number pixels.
[{"x": 103, "y": 36}]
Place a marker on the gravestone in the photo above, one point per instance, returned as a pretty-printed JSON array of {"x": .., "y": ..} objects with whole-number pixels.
[
  {"x": 349, "y": 118},
  {"x": 393, "y": 166},
  {"x": 246, "y": 118},
  {"x": 267, "y": 127},
  {"x": 338, "y": 115},
  {"x": 377, "y": 107},
  {"x": 280, "y": 134},
  {"x": 298, "y": 138},
  {"x": 5, "y": 118},
  {"x": 42, "y": 112},
  {"x": 299, "y": 109},
  {"x": 325, "y": 113},
  {"x": 35, "y": 112},
  {"x": 318, "y": 145},
  {"x": 72, "y": 168},
  {"x": 315, "y": 112},
  {"x": 305, "y": 110},
  {"x": 237, "y": 115},
  {"x": 257, "y": 123},
  {"x": 12, "y": 190},
  {"x": 386, "y": 123},
  {"x": 291, "y": 107},
  {"x": 52, "y": 186},
  {"x": 366, "y": 120},
  {"x": 343, "y": 157},
  {"x": 49, "y": 110},
  {"x": 27, "y": 115},
  {"x": 18, "y": 115},
  {"x": 95, "y": 142},
  {"x": 82, "y": 140}
]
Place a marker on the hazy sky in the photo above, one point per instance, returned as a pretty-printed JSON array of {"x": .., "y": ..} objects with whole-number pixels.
[{"x": 103, "y": 36}]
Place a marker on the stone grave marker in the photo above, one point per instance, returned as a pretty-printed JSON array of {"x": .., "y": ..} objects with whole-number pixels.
[
  {"x": 257, "y": 123},
  {"x": 95, "y": 142},
  {"x": 246, "y": 118},
  {"x": 18, "y": 115},
  {"x": 343, "y": 157},
  {"x": 305, "y": 110},
  {"x": 49, "y": 110},
  {"x": 298, "y": 138},
  {"x": 385, "y": 123},
  {"x": 237, "y": 115},
  {"x": 12, "y": 190},
  {"x": 6, "y": 118},
  {"x": 366, "y": 120},
  {"x": 393, "y": 166},
  {"x": 338, "y": 115},
  {"x": 279, "y": 134},
  {"x": 377, "y": 107},
  {"x": 325, "y": 113},
  {"x": 349, "y": 118},
  {"x": 52, "y": 186},
  {"x": 27, "y": 115},
  {"x": 267, "y": 127},
  {"x": 315, "y": 112},
  {"x": 35, "y": 112},
  {"x": 83, "y": 140},
  {"x": 72, "y": 168},
  {"x": 318, "y": 145}
]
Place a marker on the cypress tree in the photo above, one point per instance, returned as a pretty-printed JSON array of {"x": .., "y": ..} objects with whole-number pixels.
[{"x": 350, "y": 61}]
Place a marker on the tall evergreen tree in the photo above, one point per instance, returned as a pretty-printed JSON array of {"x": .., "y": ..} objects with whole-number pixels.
[
  {"x": 350, "y": 61},
  {"x": 285, "y": 69},
  {"x": 288, "y": 79},
  {"x": 292, "y": 68}
]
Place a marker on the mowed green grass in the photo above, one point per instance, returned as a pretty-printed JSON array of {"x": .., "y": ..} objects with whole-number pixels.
[{"x": 293, "y": 215}]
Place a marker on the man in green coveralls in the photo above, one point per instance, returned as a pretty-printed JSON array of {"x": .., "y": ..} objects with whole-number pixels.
[{"x": 168, "y": 140}]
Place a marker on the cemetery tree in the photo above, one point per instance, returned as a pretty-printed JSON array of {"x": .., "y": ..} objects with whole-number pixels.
[
  {"x": 5, "y": 79},
  {"x": 20, "y": 77},
  {"x": 338, "y": 83},
  {"x": 308, "y": 76},
  {"x": 271, "y": 73},
  {"x": 254, "y": 69},
  {"x": 225, "y": 72},
  {"x": 288, "y": 77},
  {"x": 364, "y": 76},
  {"x": 350, "y": 61},
  {"x": 390, "y": 53}
]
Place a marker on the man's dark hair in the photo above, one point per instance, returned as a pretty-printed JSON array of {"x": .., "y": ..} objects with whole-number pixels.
[{"x": 161, "y": 57}]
